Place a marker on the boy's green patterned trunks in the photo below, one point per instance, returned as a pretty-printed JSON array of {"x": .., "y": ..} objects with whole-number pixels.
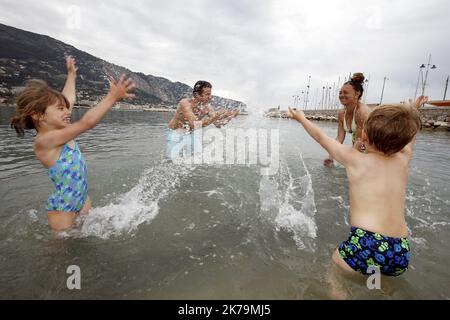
[{"x": 363, "y": 249}]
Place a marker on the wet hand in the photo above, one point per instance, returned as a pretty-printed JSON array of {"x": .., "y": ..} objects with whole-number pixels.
[
  {"x": 70, "y": 64},
  {"x": 220, "y": 114},
  {"x": 296, "y": 114},
  {"x": 222, "y": 111},
  {"x": 328, "y": 163},
  {"x": 420, "y": 101},
  {"x": 121, "y": 89}
]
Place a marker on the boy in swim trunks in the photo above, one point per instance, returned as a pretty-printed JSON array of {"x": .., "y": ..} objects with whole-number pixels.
[{"x": 377, "y": 185}]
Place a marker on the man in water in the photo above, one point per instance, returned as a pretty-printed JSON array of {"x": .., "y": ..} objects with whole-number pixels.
[{"x": 194, "y": 113}]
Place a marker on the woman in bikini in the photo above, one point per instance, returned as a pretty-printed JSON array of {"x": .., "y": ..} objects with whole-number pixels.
[{"x": 351, "y": 119}]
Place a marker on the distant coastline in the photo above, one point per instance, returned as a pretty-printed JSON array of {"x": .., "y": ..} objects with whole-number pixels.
[
  {"x": 133, "y": 108},
  {"x": 122, "y": 107}
]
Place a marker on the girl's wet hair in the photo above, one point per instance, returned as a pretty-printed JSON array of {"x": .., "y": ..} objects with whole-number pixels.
[
  {"x": 199, "y": 85},
  {"x": 34, "y": 100},
  {"x": 357, "y": 82}
]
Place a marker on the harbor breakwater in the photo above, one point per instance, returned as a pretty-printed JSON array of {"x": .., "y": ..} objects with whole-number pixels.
[{"x": 437, "y": 118}]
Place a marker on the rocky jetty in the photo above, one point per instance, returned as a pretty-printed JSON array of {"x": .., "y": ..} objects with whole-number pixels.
[
  {"x": 320, "y": 117},
  {"x": 440, "y": 123},
  {"x": 433, "y": 118}
]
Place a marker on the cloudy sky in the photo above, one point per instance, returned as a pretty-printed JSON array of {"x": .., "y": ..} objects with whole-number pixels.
[{"x": 257, "y": 51}]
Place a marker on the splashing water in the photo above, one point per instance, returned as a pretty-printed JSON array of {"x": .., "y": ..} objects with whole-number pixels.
[
  {"x": 139, "y": 205},
  {"x": 291, "y": 205}
]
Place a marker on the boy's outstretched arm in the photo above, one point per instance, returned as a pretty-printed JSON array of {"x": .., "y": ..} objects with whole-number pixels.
[
  {"x": 69, "y": 90},
  {"x": 339, "y": 138},
  {"x": 343, "y": 154}
]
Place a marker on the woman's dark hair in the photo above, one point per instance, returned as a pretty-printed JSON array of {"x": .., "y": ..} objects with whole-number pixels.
[
  {"x": 357, "y": 82},
  {"x": 199, "y": 85}
]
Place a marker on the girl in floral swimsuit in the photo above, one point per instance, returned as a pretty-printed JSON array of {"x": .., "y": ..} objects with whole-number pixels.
[{"x": 48, "y": 111}]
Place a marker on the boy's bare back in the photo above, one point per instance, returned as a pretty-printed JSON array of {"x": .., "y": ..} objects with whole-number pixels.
[{"x": 377, "y": 187}]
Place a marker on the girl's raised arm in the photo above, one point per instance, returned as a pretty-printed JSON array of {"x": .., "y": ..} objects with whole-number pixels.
[
  {"x": 117, "y": 91},
  {"x": 69, "y": 88}
]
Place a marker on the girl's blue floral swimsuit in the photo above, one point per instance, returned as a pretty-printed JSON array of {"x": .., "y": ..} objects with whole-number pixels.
[
  {"x": 363, "y": 249},
  {"x": 69, "y": 175}
]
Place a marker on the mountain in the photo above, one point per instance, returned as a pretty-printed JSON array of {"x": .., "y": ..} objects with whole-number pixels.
[{"x": 25, "y": 55}]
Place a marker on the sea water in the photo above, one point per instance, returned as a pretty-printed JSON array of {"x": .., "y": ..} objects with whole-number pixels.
[{"x": 164, "y": 230}]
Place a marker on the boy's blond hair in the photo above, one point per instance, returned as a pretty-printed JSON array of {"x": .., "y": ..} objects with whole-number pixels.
[{"x": 391, "y": 127}]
